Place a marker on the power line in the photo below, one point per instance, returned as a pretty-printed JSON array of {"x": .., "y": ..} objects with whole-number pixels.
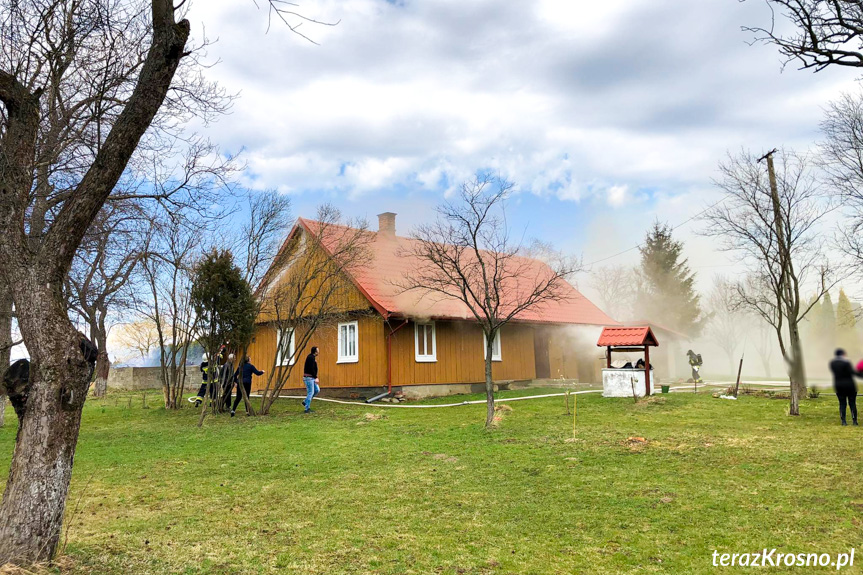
[{"x": 681, "y": 224}]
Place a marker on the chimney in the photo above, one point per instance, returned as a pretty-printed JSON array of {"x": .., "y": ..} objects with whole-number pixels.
[{"x": 387, "y": 224}]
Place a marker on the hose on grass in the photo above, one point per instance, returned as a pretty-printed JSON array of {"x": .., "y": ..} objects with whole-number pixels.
[
  {"x": 461, "y": 403},
  {"x": 428, "y": 406}
]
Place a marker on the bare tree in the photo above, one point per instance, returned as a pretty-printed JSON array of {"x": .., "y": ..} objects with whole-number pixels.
[
  {"x": 823, "y": 32},
  {"x": 842, "y": 150},
  {"x": 139, "y": 335},
  {"x": 83, "y": 85},
  {"x": 60, "y": 62},
  {"x": 616, "y": 287},
  {"x": 842, "y": 162},
  {"x": 308, "y": 287},
  {"x": 101, "y": 272},
  {"x": 262, "y": 233},
  {"x": 167, "y": 273},
  {"x": 470, "y": 256},
  {"x": 770, "y": 218},
  {"x": 726, "y": 324}
]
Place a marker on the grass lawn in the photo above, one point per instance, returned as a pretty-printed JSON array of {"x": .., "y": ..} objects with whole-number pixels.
[{"x": 430, "y": 491}]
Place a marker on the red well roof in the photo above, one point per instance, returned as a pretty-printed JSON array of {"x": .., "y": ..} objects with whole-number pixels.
[
  {"x": 626, "y": 336},
  {"x": 391, "y": 264}
]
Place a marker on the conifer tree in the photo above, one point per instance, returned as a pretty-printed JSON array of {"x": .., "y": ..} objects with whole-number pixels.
[
  {"x": 827, "y": 323},
  {"x": 846, "y": 324},
  {"x": 810, "y": 327},
  {"x": 666, "y": 292},
  {"x": 224, "y": 304}
]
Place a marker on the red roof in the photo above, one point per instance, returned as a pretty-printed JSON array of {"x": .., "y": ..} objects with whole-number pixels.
[
  {"x": 626, "y": 336},
  {"x": 391, "y": 264}
]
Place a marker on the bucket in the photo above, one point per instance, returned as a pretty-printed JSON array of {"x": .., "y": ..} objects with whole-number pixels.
[{"x": 665, "y": 388}]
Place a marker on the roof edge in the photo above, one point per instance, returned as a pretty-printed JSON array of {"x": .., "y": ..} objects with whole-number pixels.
[{"x": 375, "y": 304}]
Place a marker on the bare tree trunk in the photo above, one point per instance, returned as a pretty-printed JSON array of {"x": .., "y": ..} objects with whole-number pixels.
[
  {"x": 35, "y": 497},
  {"x": 797, "y": 370},
  {"x": 489, "y": 382},
  {"x": 103, "y": 366},
  {"x": 5, "y": 341}
]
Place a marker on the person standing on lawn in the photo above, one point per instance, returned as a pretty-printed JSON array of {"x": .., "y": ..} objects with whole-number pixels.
[
  {"x": 245, "y": 372},
  {"x": 208, "y": 373},
  {"x": 227, "y": 379},
  {"x": 310, "y": 378},
  {"x": 844, "y": 384}
]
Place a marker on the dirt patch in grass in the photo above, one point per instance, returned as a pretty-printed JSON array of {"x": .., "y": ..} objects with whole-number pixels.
[
  {"x": 651, "y": 400},
  {"x": 62, "y": 564},
  {"x": 635, "y": 443},
  {"x": 765, "y": 393},
  {"x": 369, "y": 417},
  {"x": 445, "y": 457}
]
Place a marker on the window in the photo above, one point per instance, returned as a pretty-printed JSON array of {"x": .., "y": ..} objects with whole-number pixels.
[
  {"x": 348, "y": 349},
  {"x": 285, "y": 347},
  {"x": 424, "y": 342},
  {"x": 495, "y": 346}
]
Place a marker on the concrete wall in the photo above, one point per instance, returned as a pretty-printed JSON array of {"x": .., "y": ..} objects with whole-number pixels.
[
  {"x": 618, "y": 382},
  {"x": 135, "y": 378}
]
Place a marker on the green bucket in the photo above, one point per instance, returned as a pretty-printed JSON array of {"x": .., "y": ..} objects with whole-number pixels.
[{"x": 665, "y": 388}]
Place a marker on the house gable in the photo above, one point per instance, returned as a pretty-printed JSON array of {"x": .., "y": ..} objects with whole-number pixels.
[{"x": 291, "y": 270}]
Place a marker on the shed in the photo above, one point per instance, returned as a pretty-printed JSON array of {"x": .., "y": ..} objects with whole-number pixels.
[{"x": 627, "y": 339}]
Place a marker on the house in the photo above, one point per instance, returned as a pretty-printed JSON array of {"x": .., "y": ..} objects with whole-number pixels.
[{"x": 426, "y": 346}]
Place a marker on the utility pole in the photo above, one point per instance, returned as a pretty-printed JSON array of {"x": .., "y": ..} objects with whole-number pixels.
[{"x": 788, "y": 305}]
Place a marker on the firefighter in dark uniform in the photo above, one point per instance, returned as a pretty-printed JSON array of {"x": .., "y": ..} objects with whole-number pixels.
[{"x": 695, "y": 362}]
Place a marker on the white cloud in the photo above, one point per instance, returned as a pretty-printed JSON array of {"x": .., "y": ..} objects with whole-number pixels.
[
  {"x": 556, "y": 94},
  {"x": 619, "y": 109},
  {"x": 617, "y": 195}
]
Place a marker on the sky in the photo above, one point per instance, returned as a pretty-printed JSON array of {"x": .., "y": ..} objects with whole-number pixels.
[{"x": 606, "y": 115}]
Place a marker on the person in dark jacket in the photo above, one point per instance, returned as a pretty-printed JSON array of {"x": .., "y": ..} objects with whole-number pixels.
[
  {"x": 844, "y": 384},
  {"x": 227, "y": 379},
  {"x": 695, "y": 362},
  {"x": 244, "y": 373},
  {"x": 310, "y": 378},
  {"x": 206, "y": 372}
]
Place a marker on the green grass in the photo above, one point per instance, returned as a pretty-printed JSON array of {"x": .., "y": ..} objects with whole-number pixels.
[{"x": 430, "y": 491}]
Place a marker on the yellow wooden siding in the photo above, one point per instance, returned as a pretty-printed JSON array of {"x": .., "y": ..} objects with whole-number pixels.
[
  {"x": 369, "y": 371},
  {"x": 459, "y": 347},
  {"x": 460, "y": 355},
  {"x": 345, "y": 297}
]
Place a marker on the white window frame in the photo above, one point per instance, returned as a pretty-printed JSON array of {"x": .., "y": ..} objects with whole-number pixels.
[
  {"x": 494, "y": 356},
  {"x": 348, "y": 358},
  {"x": 292, "y": 352},
  {"x": 425, "y": 358}
]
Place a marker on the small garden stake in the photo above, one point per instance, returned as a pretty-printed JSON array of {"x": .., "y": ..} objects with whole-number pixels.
[{"x": 574, "y": 412}]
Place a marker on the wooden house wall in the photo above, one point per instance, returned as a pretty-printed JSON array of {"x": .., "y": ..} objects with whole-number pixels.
[
  {"x": 460, "y": 356},
  {"x": 459, "y": 347},
  {"x": 345, "y": 296},
  {"x": 369, "y": 371}
]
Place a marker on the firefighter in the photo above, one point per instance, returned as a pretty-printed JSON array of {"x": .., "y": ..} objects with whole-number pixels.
[
  {"x": 695, "y": 362},
  {"x": 209, "y": 374}
]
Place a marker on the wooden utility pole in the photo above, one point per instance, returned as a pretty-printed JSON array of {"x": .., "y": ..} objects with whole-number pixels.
[
  {"x": 786, "y": 299},
  {"x": 777, "y": 223},
  {"x": 739, "y": 372}
]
